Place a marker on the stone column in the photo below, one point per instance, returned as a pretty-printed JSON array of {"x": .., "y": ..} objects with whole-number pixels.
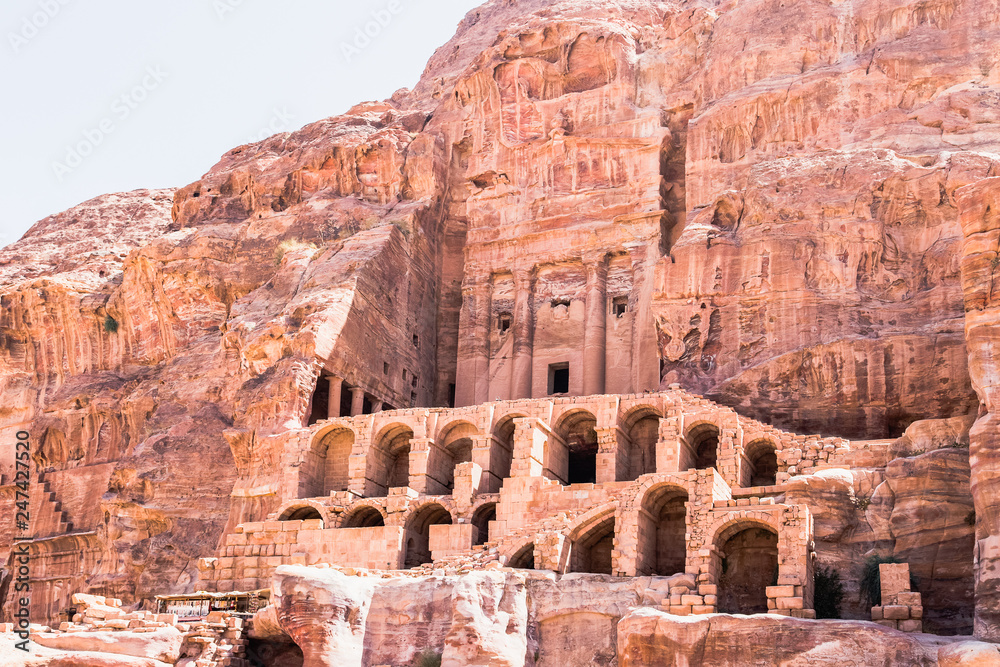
[
  {"x": 472, "y": 381},
  {"x": 333, "y": 404},
  {"x": 357, "y": 401},
  {"x": 524, "y": 333},
  {"x": 377, "y": 406},
  {"x": 482, "y": 455},
  {"x": 645, "y": 357},
  {"x": 595, "y": 332},
  {"x": 610, "y": 454},
  {"x": 420, "y": 452}
]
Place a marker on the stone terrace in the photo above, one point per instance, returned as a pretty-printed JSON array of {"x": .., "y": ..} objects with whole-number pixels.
[{"x": 639, "y": 485}]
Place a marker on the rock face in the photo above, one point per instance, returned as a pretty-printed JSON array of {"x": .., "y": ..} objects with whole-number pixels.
[
  {"x": 980, "y": 208},
  {"x": 791, "y": 208}
]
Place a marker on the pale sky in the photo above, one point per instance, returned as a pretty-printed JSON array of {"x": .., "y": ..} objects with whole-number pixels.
[{"x": 114, "y": 95}]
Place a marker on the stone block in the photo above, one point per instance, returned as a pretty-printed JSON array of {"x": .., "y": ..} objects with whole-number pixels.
[
  {"x": 895, "y": 612},
  {"x": 912, "y": 625},
  {"x": 780, "y": 591},
  {"x": 895, "y": 578},
  {"x": 680, "y": 610},
  {"x": 703, "y": 609},
  {"x": 888, "y": 624},
  {"x": 877, "y": 614},
  {"x": 910, "y": 599},
  {"x": 790, "y": 603},
  {"x": 917, "y": 611},
  {"x": 692, "y": 600}
]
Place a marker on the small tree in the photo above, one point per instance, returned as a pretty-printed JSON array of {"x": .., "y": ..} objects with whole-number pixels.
[
  {"x": 110, "y": 324},
  {"x": 428, "y": 658}
]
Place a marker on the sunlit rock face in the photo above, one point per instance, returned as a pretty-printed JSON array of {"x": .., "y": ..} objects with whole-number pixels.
[{"x": 790, "y": 208}]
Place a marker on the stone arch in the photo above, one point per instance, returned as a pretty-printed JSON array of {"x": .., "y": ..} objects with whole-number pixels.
[
  {"x": 702, "y": 439},
  {"x": 325, "y": 468},
  {"x": 502, "y": 450},
  {"x": 453, "y": 446},
  {"x": 576, "y": 462},
  {"x": 302, "y": 510},
  {"x": 364, "y": 515},
  {"x": 641, "y": 426},
  {"x": 481, "y": 518},
  {"x": 523, "y": 557},
  {"x": 417, "y": 533},
  {"x": 591, "y": 542},
  {"x": 746, "y": 551},
  {"x": 388, "y": 463},
  {"x": 662, "y": 519},
  {"x": 759, "y": 465}
]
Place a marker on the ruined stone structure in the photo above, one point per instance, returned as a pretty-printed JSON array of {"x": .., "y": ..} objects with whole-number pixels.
[{"x": 570, "y": 305}]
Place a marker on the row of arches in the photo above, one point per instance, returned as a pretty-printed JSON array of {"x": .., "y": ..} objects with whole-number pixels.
[
  {"x": 326, "y": 467},
  {"x": 418, "y": 523}
]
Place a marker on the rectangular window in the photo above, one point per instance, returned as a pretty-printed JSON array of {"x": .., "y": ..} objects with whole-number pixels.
[
  {"x": 559, "y": 378},
  {"x": 619, "y": 305},
  {"x": 385, "y": 368}
]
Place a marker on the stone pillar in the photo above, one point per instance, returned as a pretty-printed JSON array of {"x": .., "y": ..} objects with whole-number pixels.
[
  {"x": 357, "y": 401},
  {"x": 524, "y": 333},
  {"x": 377, "y": 406},
  {"x": 645, "y": 354},
  {"x": 611, "y": 451},
  {"x": 979, "y": 215},
  {"x": 529, "y": 448},
  {"x": 420, "y": 452},
  {"x": 472, "y": 381},
  {"x": 595, "y": 331},
  {"x": 333, "y": 404},
  {"x": 482, "y": 455}
]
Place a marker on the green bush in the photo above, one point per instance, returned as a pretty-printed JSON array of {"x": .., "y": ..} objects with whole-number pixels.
[
  {"x": 110, "y": 324},
  {"x": 828, "y": 592},
  {"x": 428, "y": 658}
]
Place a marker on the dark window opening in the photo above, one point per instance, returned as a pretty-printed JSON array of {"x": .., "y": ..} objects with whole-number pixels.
[
  {"x": 416, "y": 341},
  {"x": 385, "y": 368},
  {"x": 301, "y": 514},
  {"x": 387, "y": 408},
  {"x": 524, "y": 559},
  {"x": 366, "y": 406},
  {"x": 560, "y": 302},
  {"x": 413, "y": 397},
  {"x": 364, "y": 517},
  {"x": 345, "y": 401},
  {"x": 406, "y": 374},
  {"x": 559, "y": 378},
  {"x": 451, "y": 395},
  {"x": 504, "y": 322},
  {"x": 481, "y": 520},
  {"x": 582, "y": 468},
  {"x": 414, "y": 382},
  {"x": 320, "y": 401},
  {"x": 619, "y": 306}
]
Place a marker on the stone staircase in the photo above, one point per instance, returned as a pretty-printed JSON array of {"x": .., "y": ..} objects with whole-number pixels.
[{"x": 48, "y": 518}]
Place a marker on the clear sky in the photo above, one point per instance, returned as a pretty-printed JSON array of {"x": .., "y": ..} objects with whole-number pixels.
[{"x": 113, "y": 95}]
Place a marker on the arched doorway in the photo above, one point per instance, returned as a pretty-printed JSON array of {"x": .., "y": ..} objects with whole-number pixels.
[
  {"x": 704, "y": 442},
  {"x": 524, "y": 559},
  {"x": 501, "y": 453},
  {"x": 642, "y": 428},
  {"x": 365, "y": 516},
  {"x": 454, "y": 447},
  {"x": 749, "y": 565},
  {"x": 481, "y": 520},
  {"x": 591, "y": 552},
  {"x": 304, "y": 513},
  {"x": 760, "y": 464},
  {"x": 662, "y": 526},
  {"x": 325, "y": 468},
  {"x": 417, "y": 534},
  {"x": 389, "y": 464},
  {"x": 578, "y": 430}
]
